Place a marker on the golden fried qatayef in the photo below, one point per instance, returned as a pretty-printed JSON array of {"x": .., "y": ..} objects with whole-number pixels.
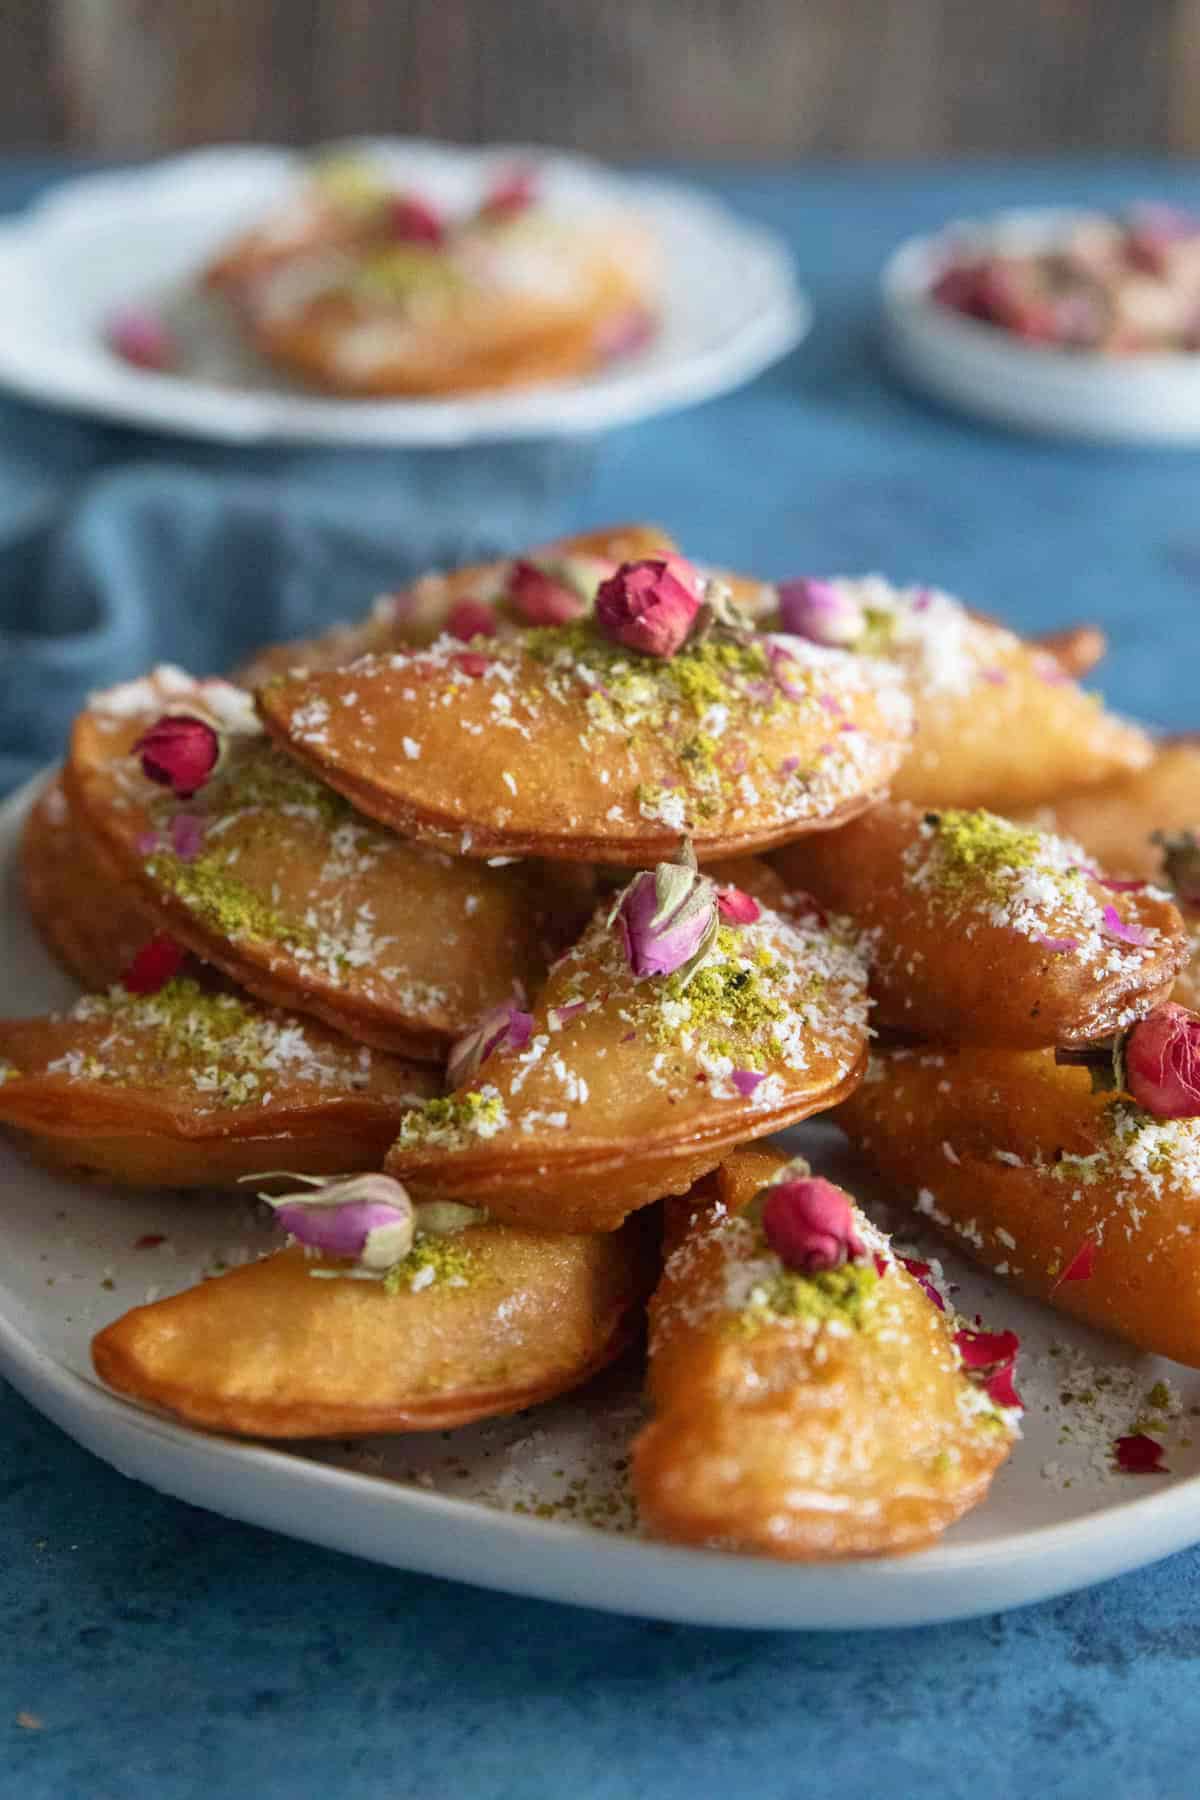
[
  {"x": 91, "y": 920},
  {"x": 624, "y": 1090},
  {"x": 1079, "y": 1198},
  {"x": 421, "y": 612},
  {"x": 556, "y": 742},
  {"x": 999, "y": 722},
  {"x": 275, "y": 880},
  {"x": 337, "y": 289},
  {"x": 1115, "y": 822},
  {"x": 189, "y": 1088},
  {"x": 277, "y": 1349},
  {"x": 988, "y": 932},
  {"x": 802, "y": 1416}
]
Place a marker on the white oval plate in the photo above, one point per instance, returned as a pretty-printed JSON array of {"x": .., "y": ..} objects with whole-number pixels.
[
  {"x": 1153, "y": 398},
  {"x": 731, "y": 304},
  {"x": 464, "y": 1504}
]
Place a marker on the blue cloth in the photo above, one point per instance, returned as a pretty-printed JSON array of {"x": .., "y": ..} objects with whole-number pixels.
[{"x": 169, "y": 1653}]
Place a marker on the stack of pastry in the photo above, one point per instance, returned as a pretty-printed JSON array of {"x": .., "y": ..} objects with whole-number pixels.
[{"x": 505, "y": 922}]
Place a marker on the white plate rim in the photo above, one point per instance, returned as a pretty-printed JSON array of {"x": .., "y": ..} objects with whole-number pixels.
[
  {"x": 101, "y": 387},
  {"x": 469, "y": 1541},
  {"x": 1150, "y": 398}
]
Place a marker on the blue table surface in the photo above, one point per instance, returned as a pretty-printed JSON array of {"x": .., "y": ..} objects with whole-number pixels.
[{"x": 167, "y": 1652}]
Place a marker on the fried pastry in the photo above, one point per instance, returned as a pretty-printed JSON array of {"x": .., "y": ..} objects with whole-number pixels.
[
  {"x": 187, "y": 1088},
  {"x": 656, "y": 1045},
  {"x": 999, "y": 722},
  {"x": 91, "y": 920},
  {"x": 1116, "y": 822},
  {"x": 274, "y": 879},
  {"x": 605, "y": 739},
  {"x": 1081, "y": 1198},
  {"x": 988, "y": 932},
  {"x": 806, "y": 1413},
  {"x": 292, "y": 1347},
  {"x": 363, "y": 289}
]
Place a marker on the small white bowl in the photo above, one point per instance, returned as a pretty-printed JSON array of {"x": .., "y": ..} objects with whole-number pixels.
[{"x": 1150, "y": 397}]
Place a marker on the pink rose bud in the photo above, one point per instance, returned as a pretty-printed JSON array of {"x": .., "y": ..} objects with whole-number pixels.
[
  {"x": 1162, "y": 1062},
  {"x": 809, "y": 1224},
  {"x": 502, "y": 1028},
  {"x": 156, "y": 963},
  {"x": 469, "y": 619},
  {"x": 412, "y": 220},
  {"x": 540, "y": 598},
  {"x": 179, "y": 752},
  {"x": 820, "y": 611},
  {"x": 650, "y": 605},
  {"x": 668, "y": 919},
  {"x": 368, "y": 1218},
  {"x": 514, "y": 192},
  {"x": 140, "y": 337}
]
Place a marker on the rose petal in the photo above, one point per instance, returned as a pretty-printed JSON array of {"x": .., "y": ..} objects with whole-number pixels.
[
  {"x": 187, "y": 835},
  {"x": 987, "y": 1349},
  {"x": 1138, "y": 1454},
  {"x": 472, "y": 663},
  {"x": 1001, "y": 1389},
  {"x": 736, "y": 907},
  {"x": 1060, "y": 946},
  {"x": 1080, "y": 1266},
  {"x": 156, "y": 963},
  {"x": 1115, "y": 927},
  {"x": 922, "y": 1274},
  {"x": 469, "y": 619},
  {"x": 746, "y": 1081}
]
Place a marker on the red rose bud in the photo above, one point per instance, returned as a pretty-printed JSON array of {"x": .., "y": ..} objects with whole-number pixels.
[
  {"x": 179, "y": 752},
  {"x": 413, "y": 221},
  {"x": 155, "y": 964},
  {"x": 513, "y": 192},
  {"x": 650, "y": 605},
  {"x": 820, "y": 611},
  {"x": 1162, "y": 1062},
  {"x": 140, "y": 337},
  {"x": 809, "y": 1224},
  {"x": 737, "y": 908},
  {"x": 469, "y": 619},
  {"x": 540, "y": 598}
]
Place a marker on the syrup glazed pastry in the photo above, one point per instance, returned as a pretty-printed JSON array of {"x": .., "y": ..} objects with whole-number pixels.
[
  {"x": 1118, "y": 821},
  {"x": 1087, "y": 1199},
  {"x": 662, "y": 712},
  {"x": 989, "y": 932},
  {"x": 810, "y": 1401},
  {"x": 260, "y": 870},
  {"x": 471, "y": 1321},
  {"x": 999, "y": 723},
  {"x": 162, "y": 1083},
  {"x": 687, "y": 1019},
  {"x": 92, "y": 922},
  {"x": 365, "y": 289},
  {"x": 548, "y": 586}
]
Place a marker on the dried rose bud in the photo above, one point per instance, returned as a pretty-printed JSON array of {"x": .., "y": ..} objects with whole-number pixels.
[
  {"x": 368, "y": 1218},
  {"x": 503, "y": 1027},
  {"x": 668, "y": 919},
  {"x": 541, "y": 597},
  {"x": 650, "y": 605},
  {"x": 412, "y": 220},
  {"x": 1162, "y": 1062},
  {"x": 820, "y": 611},
  {"x": 180, "y": 752},
  {"x": 513, "y": 192},
  {"x": 139, "y": 336},
  {"x": 1181, "y": 864},
  {"x": 156, "y": 963},
  {"x": 809, "y": 1224},
  {"x": 469, "y": 619}
]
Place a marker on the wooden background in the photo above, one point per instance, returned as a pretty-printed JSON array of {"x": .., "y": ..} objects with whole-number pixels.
[{"x": 729, "y": 78}]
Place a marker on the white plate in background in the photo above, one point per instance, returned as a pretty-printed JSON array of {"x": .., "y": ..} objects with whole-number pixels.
[
  {"x": 730, "y": 301},
  {"x": 1150, "y": 397},
  {"x": 463, "y": 1504}
]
